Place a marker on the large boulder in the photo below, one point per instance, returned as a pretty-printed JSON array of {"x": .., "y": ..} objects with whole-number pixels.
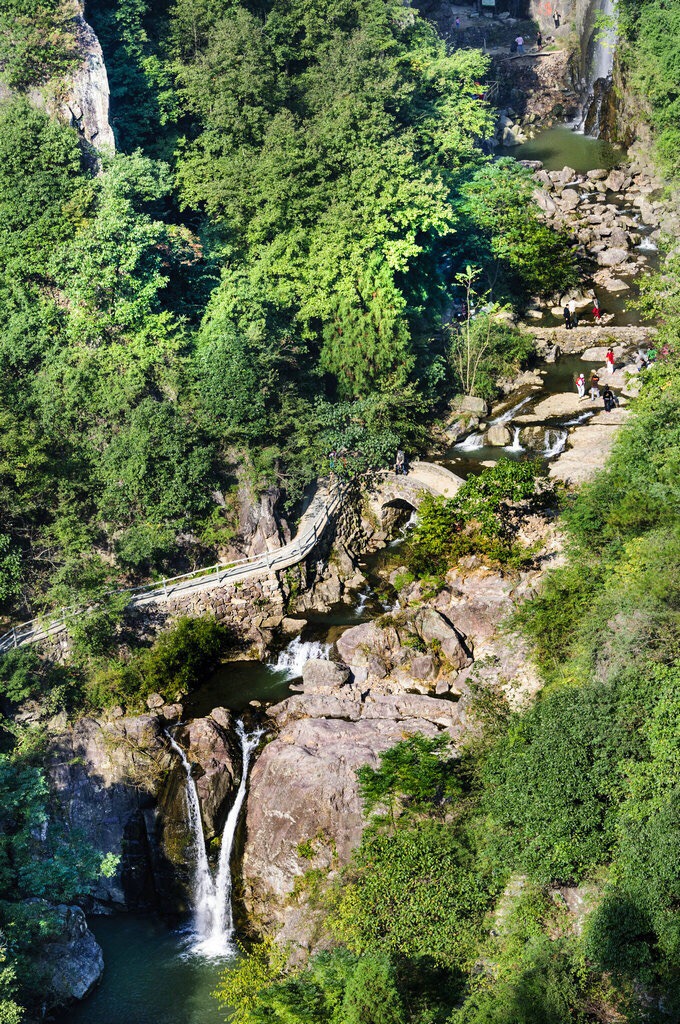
[
  {"x": 616, "y": 180},
  {"x": 319, "y": 676},
  {"x": 612, "y": 257},
  {"x": 212, "y": 748},
  {"x": 432, "y": 626},
  {"x": 498, "y": 436},
  {"x": 71, "y": 963}
]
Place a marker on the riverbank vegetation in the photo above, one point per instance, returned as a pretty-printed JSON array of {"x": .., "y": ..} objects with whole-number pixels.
[
  {"x": 259, "y": 277},
  {"x": 650, "y": 61}
]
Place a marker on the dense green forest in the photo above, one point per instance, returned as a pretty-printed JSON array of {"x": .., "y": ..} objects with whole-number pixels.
[{"x": 256, "y": 278}]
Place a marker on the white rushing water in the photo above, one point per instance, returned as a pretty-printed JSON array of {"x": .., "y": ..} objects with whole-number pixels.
[
  {"x": 471, "y": 443},
  {"x": 579, "y": 419},
  {"x": 220, "y": 938},
  {"x": 515, "y": 446},
  {"x": 296, "y": 654},
  {"x": 555, "y": 443},
  {"x": 213, "y": 919},
  {"x": 506, "y": 416},
  {"x": 203, "y": 887}
]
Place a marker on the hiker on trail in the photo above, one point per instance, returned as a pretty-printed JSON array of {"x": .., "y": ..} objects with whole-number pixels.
[
  {"x": 400, "y": 463},
  {"x": 539, "y": 40},
  {"x": 609, "y": 360},
  {"x": 594, "y": 386},
  {"x": 520, "y": 44},
  {"x": 567, "y": 317},
  {"x": 597, "y": 312},
  {"x": 556, "y": 18},
  {"x": 609, "y": 399},
  {"x": 581, "y": 385}
]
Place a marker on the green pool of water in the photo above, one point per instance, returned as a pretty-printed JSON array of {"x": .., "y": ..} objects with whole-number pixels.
[
  {"x": 561, "y": 147},
  {"x": 148, "y": 978}
]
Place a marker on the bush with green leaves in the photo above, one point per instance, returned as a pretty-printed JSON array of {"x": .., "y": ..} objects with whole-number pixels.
[
  {"x": 480, "y": 518},
  {"x": 180, "y": 658}
]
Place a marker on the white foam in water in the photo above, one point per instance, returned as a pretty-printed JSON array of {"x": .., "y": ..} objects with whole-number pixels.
[
  {"x": 506, "y": 416},
  {"x": 647, "y": 245},
  {"x": 293, "y": 658},
  {"x": 471, "y": 443},
  {"x": 213, "y": 918},
  {"x": 515, "y": 446},
  {"x": 555, "y": 443},
  {"x": 579, "y": 419}
]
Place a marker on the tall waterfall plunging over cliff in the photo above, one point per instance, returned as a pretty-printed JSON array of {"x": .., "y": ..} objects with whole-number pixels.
[
  {"x": 213, "y": 918},
  {"x": 598, "y": 42}
]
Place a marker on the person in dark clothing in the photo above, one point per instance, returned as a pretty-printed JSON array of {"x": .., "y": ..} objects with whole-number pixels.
[
  {"x": 566, "y": 313},
  {"x": 609, "y": 399},
  {"x": 557, "y": 17},
  {"x": 400, "y": 463},
  {"x": 539, "y": 40}
]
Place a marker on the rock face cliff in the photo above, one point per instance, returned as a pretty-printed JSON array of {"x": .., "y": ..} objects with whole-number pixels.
[
  {"x": 399, "y": 675},
  {"x": 117, "y": 782},
  {"x": 81, "y": 100}
]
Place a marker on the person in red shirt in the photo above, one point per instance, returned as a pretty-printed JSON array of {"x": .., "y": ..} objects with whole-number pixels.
[{"x": 609, "y": 360}]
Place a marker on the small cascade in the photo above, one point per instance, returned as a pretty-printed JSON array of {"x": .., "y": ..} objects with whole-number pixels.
[
  {"x": 293, "y": 658},
  {"x": 219, "y": 940},
  {"x": 213, "y": 920},
  {"x": 203, "y": 888},
  {"x": 471, "y": 443},
  {"x": 515, "y": 446},
  {"x": 579, "y": 419},
  {"x": 506, "y": 416},
  {"x": 555, "y": 443}
]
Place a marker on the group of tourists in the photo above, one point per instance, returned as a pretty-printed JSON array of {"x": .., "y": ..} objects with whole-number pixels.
[
  {"x": 571, "y": 318},
  {"x": 344, "y": 464},
  {"x": 607, "y": 395}
]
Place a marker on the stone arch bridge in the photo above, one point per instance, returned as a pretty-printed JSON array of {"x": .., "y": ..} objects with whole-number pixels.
[{"x": 391, "y": 491}]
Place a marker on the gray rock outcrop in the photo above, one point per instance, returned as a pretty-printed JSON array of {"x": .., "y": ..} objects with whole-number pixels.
[{"x": 71, "y": 963}]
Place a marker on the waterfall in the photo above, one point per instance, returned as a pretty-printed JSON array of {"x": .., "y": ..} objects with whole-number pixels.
[
  {"x": 294, "y": 657},
  {"x": 471, "y": 443},
  {"x": 515, "y": 446},
  {"x": 203, "y": 889},
  {"x": 213, "y": 923},
  {"x": 219, "y": 940},
  {"x": 597, "y": 48},
  {"x": 555, "y": 443}
]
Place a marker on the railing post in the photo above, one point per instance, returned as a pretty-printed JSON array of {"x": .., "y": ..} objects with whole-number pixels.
[
  {"x": 14, "y": 637},
  {"x": 165, "y": 589}
]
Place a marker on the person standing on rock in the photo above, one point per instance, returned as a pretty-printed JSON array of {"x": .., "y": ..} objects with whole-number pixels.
[
  {"x": 573, "y": 315},
  {"x": 609, "y": 360},
  {"x": 556, "y": 18},
  {"x": 609, "y": 399},
  {"x": 567, "y": 317},
  {"x": 539, "y": 40},
  {"x": 581, "y": 386},
  {"x": 597, "y": 312},
  {"x": 520, "y": 44},
  {"x": 400, "y": 463},
  {"x": 594, "y": 386}
]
